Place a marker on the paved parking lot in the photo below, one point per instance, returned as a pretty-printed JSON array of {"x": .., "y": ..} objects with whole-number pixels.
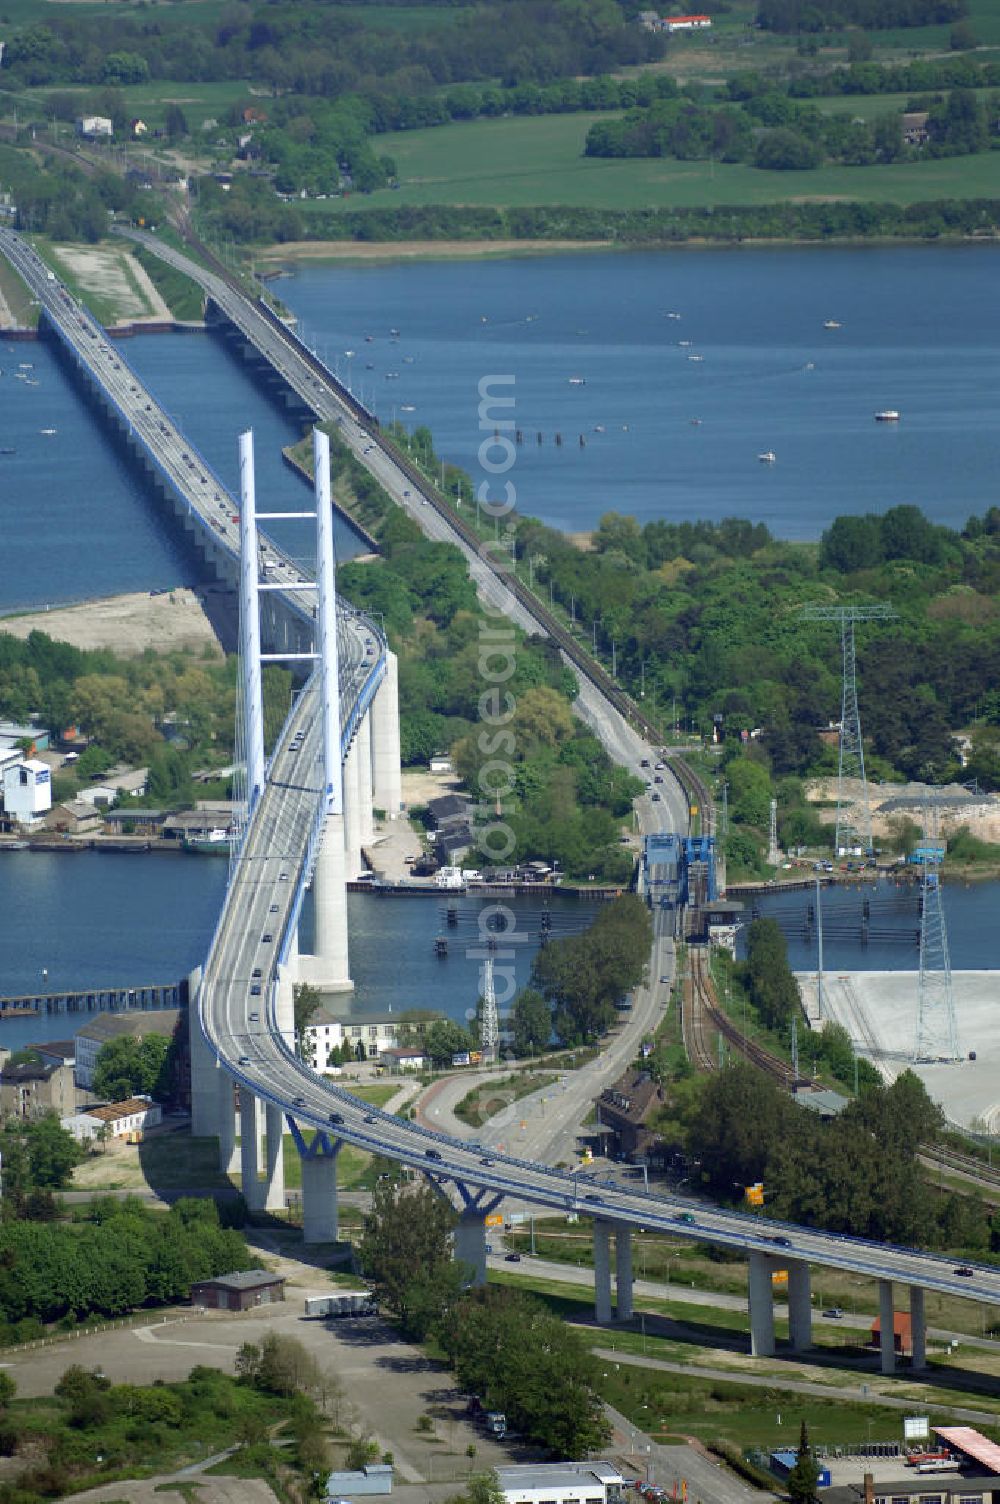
[{"x": 388, "y": 1384}]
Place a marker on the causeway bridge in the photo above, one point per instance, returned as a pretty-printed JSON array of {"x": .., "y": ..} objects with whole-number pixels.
[{"x": 299, "y": 812}]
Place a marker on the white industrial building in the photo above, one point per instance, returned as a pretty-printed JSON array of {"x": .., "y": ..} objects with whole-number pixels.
[
  {"x": 562, "y": 1483},
  {"x": 27, "y": 790}
]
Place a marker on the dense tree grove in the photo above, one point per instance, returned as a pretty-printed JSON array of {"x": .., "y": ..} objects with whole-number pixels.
[
  {"x": 59, "y": 201},
  {"x": 809, "y": 15},
  {"x": 857, "y": 1174},
  {"x": 325, "y": 51},
  {"x": 519, "y": 1358},
  {"x": 128, "y": 1067},
  {"x": 833, "y": 220},
  {"x": 117, "y": 1259},
  {"x": 127, "y": 707},
  {"x": 715, "y": 613},
  {"x": 772, "y": 130},
  {"x": 583, "y": 976}
]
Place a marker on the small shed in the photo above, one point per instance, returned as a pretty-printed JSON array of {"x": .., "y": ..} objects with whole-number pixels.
[
  {"x": 902, "y": 1337},
  {"x": 240, "y": 1291}
]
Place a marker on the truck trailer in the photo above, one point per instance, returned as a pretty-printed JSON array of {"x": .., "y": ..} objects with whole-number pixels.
[{"x": 343, "y": 1303}]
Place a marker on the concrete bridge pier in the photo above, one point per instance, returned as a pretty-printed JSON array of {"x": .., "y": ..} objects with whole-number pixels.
[
  {"x": 387, "y": 791},
  {"x": 213, "y": 1101},
  {"x": 274, "y": 1167},
  {"x": 623, "y": 1272},
  {"x": 352, "y": 812},
  {"x": 887, "y": 1333},
  {"x": 286, "y": 976},
  {"x": 799, "y": 1306},
  {"x": 918, "y": 1329},
  {"x": 470, "y": 1243},
  {"x": 329, "y": 965},
  {"x": 319, "y": 1191},
  {"x": 470, "y": 1233},
  {"x": 761, "y": 1307},
  {"x": 253, "y": 1190},
  {"x": 602, "y": 1271},
  {"x": 363, "y": 741}
]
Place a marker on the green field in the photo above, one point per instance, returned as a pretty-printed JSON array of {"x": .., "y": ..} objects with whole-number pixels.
[
  {"x": 147, "y": 101},
  {"x": 539, "y": 160},
  {"x": 167, "y": 16}
]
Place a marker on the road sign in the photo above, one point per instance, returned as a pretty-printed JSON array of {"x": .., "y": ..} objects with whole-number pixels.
[{"x": 495, "y": 1221}]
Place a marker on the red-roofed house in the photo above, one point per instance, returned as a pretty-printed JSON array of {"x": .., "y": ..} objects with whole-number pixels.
[{"x": 688, "y": 23}]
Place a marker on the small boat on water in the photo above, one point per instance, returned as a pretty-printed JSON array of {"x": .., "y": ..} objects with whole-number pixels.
[
  {"x": 598, "y": 427},
  {"x": 768, "y": 457},
  {"x": 577, "y": 380},
  {"x": 7, "y": 449},
  {"x": 47, "y": 431},
  {"x": 394, "y": 333},
  {"x": 673, "y": 315},
  {"x": 696, "y": 357},
  {"x": 887, "y": 415},
  {"x": 407, "y": 407},
  {"x": 830, "y": 324}
]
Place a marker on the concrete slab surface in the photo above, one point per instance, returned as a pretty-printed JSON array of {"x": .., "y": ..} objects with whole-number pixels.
[{"x": 879, "y": 1011}]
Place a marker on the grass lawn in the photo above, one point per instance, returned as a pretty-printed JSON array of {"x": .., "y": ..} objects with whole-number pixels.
[
  {"x": 524, "y": 161},
  {"x": 480, "y": 1104},
  {"x": 376, "y": 1093}
]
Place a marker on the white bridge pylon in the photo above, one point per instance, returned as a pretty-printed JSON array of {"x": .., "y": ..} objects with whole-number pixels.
[{"x": 338, "y": 853}]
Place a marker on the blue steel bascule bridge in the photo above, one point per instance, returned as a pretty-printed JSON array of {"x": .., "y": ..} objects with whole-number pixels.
[{"x": 678, "y": 871}]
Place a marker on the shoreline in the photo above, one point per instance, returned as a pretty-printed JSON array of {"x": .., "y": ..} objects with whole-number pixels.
[
  {"x": 423, "y": 250},
  {"x": 365, "y": 252}
]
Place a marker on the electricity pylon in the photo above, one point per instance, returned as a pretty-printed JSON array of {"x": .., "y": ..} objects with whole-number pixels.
[
  {"x": 937, "y": 1029},
  {"x": 856, "y": 830},
  {"x": 489, "y": 1027}
]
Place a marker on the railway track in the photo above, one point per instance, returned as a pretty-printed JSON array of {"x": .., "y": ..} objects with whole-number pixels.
[
  {"x": 706, "y": 1015},
  {"x": 944, "y": 1157}
]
